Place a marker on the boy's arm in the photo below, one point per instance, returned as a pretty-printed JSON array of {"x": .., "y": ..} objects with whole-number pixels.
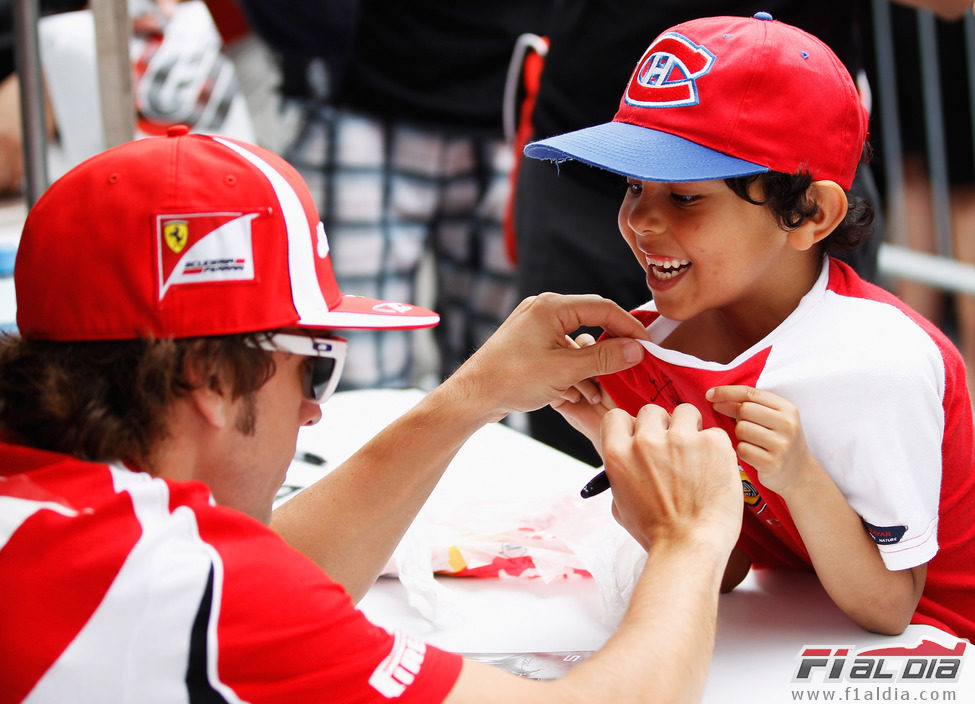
[{"x": 845, "y": 557}]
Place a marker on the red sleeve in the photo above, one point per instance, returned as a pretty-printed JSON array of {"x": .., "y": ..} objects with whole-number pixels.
[{"x": 288, "y": 633}]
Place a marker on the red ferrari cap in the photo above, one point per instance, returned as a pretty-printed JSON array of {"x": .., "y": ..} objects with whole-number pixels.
[{"x": 182, "y": 236}]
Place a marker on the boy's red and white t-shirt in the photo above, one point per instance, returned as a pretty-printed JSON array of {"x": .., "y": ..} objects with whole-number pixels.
[
  {"x": 884, "y": 407},
  {"x": 121, "y": 587}
]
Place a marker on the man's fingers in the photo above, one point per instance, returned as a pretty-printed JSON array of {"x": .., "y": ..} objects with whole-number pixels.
[
  {"x": 653, "y": 417},
  {"x": 571, "y": 394},
  {"x": 594, "y": 311},
  {"x": 607, "y": 356},
  {"x": 617, "y": 423},
  {"x": 587, "y": 388},
  {"x": 686, "y": 416}
]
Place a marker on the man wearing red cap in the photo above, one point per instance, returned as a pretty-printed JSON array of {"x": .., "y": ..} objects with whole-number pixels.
[
  {"x": 739, "y": 139},
  {"x": 177, "y": 314}
]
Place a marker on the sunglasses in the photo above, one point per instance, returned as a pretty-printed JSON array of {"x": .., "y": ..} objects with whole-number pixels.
[{"x": 326, "y": 357}]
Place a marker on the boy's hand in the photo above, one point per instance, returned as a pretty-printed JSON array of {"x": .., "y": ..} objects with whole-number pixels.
[
  {"x": 584, "y": 404},
  {"x": 770, "y": 436}
]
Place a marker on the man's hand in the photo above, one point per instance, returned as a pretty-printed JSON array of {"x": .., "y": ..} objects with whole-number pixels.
[
  {"x": 585, "y": 404},
  {"x": 672, "y": 480},
  {"x": 529, "y": 362}
]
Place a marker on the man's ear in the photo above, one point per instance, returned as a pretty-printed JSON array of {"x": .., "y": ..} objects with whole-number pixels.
[
  {"x": 207, "y": 394},
  {"x": 833, "y": 204}
]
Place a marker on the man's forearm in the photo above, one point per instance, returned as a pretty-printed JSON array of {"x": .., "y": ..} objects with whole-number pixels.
[
  {"x": 669, "y": 628},
  {"x": 660, "y": 653},
  {"x": 351, "y": 520}
]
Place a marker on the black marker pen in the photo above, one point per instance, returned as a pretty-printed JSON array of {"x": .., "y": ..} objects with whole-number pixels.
[
  {"x": 596, "y": 485},
  {"x": 310, "y": 458}
]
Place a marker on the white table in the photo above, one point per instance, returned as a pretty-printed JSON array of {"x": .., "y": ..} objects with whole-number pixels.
[{"x": 764, "y": 627}]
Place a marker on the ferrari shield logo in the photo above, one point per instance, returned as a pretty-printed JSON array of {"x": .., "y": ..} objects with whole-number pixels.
[{"x": 176, "y": 233}]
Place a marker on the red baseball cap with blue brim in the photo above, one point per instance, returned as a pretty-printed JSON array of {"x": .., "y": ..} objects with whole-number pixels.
[
  {"x": 186, "y": 235},
  {"x": 722, "y": 97}
]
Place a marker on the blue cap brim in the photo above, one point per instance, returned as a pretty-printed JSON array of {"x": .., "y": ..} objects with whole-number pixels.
[{"x": 641, "y": 153}]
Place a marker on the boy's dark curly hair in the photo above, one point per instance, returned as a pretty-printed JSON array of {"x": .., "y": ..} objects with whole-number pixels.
[
  {"x": 785, "y": 195},
  {"x": 106, "y": 400}
]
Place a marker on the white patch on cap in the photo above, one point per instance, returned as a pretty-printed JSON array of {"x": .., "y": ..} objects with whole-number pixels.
[
  {"x": 225, "y": 253},
  {"x": 306, "y": 293}
]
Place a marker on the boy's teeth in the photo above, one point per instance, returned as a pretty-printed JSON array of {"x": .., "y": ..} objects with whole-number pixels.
[
  {"x": 668, "y": 263},
  {"x": 667, "y": 268}
]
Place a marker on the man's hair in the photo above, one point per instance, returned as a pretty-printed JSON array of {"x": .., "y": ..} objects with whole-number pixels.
[
  {"x": 107, "y": 400},
  {"x": 786, "y": 197}
]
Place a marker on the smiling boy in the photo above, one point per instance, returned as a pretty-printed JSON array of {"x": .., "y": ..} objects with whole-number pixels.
[{"x": 739, "y": 138}]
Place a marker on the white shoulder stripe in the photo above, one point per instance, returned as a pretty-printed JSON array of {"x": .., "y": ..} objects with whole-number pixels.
[
  {"x": 15, "y": 511},
  {"x": 135, "y": 646}
]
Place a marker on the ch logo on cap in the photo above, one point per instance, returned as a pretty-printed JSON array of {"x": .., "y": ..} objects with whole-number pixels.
[{"x": 667, "y": 74}]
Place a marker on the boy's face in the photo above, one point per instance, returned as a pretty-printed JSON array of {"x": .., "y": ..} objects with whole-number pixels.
[{"x": 704, "y": 248}]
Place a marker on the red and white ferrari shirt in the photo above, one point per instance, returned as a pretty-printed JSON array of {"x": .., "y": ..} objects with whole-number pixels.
[
  {"x": 884, "y": 406},
  {"x": 118, "y": 587}
]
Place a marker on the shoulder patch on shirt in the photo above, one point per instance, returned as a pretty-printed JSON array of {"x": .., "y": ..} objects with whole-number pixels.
[{"x": 885, "y": 535}]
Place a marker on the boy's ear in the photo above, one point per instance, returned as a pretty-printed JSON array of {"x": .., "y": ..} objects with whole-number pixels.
[{"x": 833, "y": 204}]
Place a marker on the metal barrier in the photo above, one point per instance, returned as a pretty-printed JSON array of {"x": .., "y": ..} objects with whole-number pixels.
[
  {"x": 26, "y": 16},
  {"x": 114, "y": 75},
  {"x": 896, "y": 260}
]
